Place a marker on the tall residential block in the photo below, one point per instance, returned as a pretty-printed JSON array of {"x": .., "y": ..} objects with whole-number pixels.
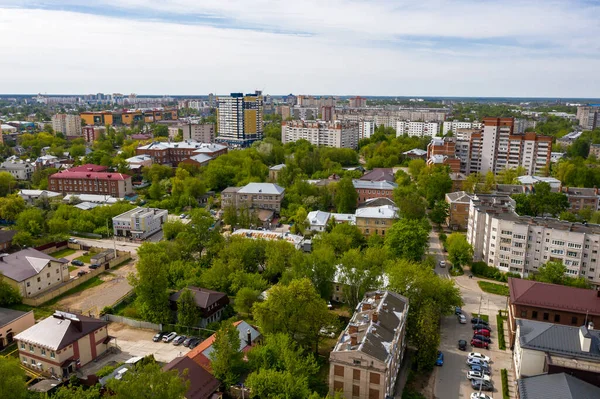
[
  {"x": 589, "y": 116},
  {"x": 417, "y": 129},
  {"x": 357, "y": 102},
  {"x": 69, "y": 125},
  {"x": 330, "y": 134},
  {"x": 240, "y": 119}
]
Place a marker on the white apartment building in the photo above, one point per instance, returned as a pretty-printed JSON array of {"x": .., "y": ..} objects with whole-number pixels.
[
  {"x": 201, "y": 132},
  {"x": 418, "y": 129},
  {"x": 21, "y": 170},
  {"x": 305, "y": 113},
  {"x": 522, "y": 244},
  {"x": 139, "y": 223},
  {"x": 331, "y": 134},
  {"x": 455, "y": 125},
  {"x": 588, "y": 117},
  {"x": 69, "y": 125},
  {"x": 365, "y": 129}
]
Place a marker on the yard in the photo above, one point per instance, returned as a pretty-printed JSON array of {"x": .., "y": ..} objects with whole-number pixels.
[
  {"x": 493, "y": 288},
  {"x": 86, "y": 258},
  {"x": 63, "y": 252}
]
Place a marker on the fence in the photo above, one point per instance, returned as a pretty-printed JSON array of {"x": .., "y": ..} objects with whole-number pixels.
[
  {"x": 52, "y": 247},
  {"x": 132, "y": 322}
]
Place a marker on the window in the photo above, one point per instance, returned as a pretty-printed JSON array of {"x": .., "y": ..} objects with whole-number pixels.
[
  {"x": 28, "y": 284},
  {"x": 357, "y": 362},
  {"x": 31, "y": 348},
  {"x": 574, "y": 320},
  {"x": 356, "y": 374},
  {"x": 355, "y": 390},
  {"x": 22, "y": 345},
  {"x": 39, "y": 279},
  {"x": 338, "y": 370},
  {"x": 546, "y": 316},
  {"x": 338, "y": 386},
  {"x": 557, "y": 318},
  {"x": 558, "y": 242},
  {"x": 373, "y": 393},
  {"x": 374, "y": 378},
  {"x": 523, "y": 313},
  {"x": 534, "y": 314},
  {"x": 52, "y": 355}
]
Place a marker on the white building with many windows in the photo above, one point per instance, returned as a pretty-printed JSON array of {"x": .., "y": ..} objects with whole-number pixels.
[
  {"x": 330, "y": 134},
  {"x": 139, "y": 223},
  {"x": 69, "y": 125},
  {"x": 522, "y": 244},
  {"x": 418, "y": 129},
  {"x": 455, "y": 125}
]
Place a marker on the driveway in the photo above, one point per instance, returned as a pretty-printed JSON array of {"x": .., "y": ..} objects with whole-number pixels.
[{"x": 436, "y": 249}]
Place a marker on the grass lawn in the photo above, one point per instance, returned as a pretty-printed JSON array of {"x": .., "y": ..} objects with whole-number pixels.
[
  {"x": 493, "y": 288},
  {"x": 482, "y": 317},
  {"x": 501, "y": 340},
  {"x": 63, "y": 252},
  {"x": 86, "y": 258},
  {"x": 38, "y": 313},
  {"x": 71, "y": 268}
]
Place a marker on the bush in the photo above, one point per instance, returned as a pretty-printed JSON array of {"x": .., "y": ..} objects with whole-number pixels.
[
  {"x": 501, "y": 340},
  {"x": 131, "y": 312},
  {"x": 481, "y": 269},
  {"x": 106, "y": 310},
  {"x": 443, "y": 237},
  {"x": 505, "y": 394},
  {"x": 106, "y": 370},
  {"x": 493, "y": 288}
]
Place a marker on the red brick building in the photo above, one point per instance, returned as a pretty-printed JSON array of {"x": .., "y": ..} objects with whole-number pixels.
[
  {"x": 167, "y": 153},
  {"x": 90, "y": 179},
  {"x": 367, "y": 189}
]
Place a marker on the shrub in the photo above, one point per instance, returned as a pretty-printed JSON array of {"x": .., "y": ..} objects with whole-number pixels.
[
  {"x": 443, "y": 237},
  {"x": 500, "y": 321},
  {"x": 106, "y": 310},
  {"x": 505, "y": 394},
  {"x": 131, "y": 312},
  {"x": 106, "y": 370},
  {"x": 481, "y": 269}
]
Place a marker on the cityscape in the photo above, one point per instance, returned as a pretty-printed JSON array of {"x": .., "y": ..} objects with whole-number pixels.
[{"x": 191, "y": 208}]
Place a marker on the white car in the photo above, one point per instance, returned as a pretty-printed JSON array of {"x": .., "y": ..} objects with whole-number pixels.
[
  {"x": 477, "y": 375},
  {"x": 442, "y": 263},
  {"x": 462, "y": 319},
  {"x": 477, "y": 395},
  {"x": 480, "y": 356},
  {"x": 478, "y": 362}
]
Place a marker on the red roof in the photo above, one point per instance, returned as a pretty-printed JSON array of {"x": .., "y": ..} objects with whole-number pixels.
[
  {"x": 69, "y": 174},
  {"x": 88, "y": 167},
  {"x": 553, "y": 296}
]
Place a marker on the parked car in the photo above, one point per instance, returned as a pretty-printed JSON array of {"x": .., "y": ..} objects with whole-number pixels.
[
  {"x": 479, "y": 344},
  {"x": 76, "y": 262},
  {"x": 195, "y": 342},
  {"x": 484, "y": 331},
  {"x": 483, "y": 369},
  {"x": 442, "y": 263},
  {"x": 327, "y": 331},
  {"x": 462, "y": 344},
  {"x": 477, "y": 320},
  {"x": 187, "y": 341},
  {"x": 480, "y": 356},
  {"x": 158, "y": 336},
  {"x": 482, "y": 384},
  {"x": 462, "y": 319},
  {"x": 478, "y": 362},
  {"x": 477, "y": 375},
  {"x": 440, "y": 359},
  {"x": 457, "y": 310},
  {"x": 169, "y": 337},
  {"x": 478, "y": 395},
  {"x": 179, "y": 340},
  {"x": 483, "y": 338},
  {"x": 81, "y": 273},
  {"x": 481, "y": 327},
  {"x": 73, "y": 241},
  {"x": 94, "y": 266}
]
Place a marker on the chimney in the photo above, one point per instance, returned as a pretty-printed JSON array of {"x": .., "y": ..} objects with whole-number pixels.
[
  {"x": 377, "y": 295},
  {"x": 248, "y": 337},
  {"x": 353, "y": 339},
  {"x": 375, "y": 317},
  {"x": 585, "y": 339},
  {"x": 366, "y": 306},
  {"x": 352, "y": 329}
]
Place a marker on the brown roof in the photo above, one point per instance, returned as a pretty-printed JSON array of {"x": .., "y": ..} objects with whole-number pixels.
[
  {"x": 379, "y": 174},
  {"x": 553, "y": 296},
  {"x": 203, "y": 297},
  {"x": 202, "y": 383}
]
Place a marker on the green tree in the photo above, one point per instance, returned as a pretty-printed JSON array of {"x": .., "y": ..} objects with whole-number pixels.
[
  {"x": 11, "y": 207},
  {"x": 300, "y": 221},
  {"x": 272, "y": 384},
  {"x": 226, "y": 359},
  {"x": 490, "y": 182},
  {"x": 149, "y": 381},
  {"x": 73, "y": 392},
  {"x": 187, "y": 311},
  {"x": 9, "y": 295},
  {"x": 7, "y": 184},
  {"x": 434, "y": 183},
  {"x": 358, "y": 275},
  {"x": 415, "y": 167},
  {"x": 407, "y": 239},
  {"x": 439, "y": 213},
  {"x": 31, "y": 221},
  {"x": 427, "y": 335},
  {"x": 460, "y": 252},
  {"x": 244, "y": 300},
  {"x": 23, "y": 239},
  {"x": 471, "y": 182},
  {"x": 410, "y": 203},
  {"x": 346, "y": 196},
  {"x": 552, "y": 272},
  {"x": 12, "y": 383}
]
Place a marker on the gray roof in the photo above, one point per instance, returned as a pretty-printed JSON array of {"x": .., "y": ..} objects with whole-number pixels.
[
  {"x": 24, "y": 264},
  {"x": 7, "y": 235},
  {"x": 277, "y": 167},
  {"x": 459, "y": 196},
  {"x": 261, "y": 188},
  {"x": 9, "y": 315},
  {"x": 558, "y": 339},
  {"x": 556, "y": 386},
  {"x": 318, "y": 218},
  {"x": 374, "y": 185}
]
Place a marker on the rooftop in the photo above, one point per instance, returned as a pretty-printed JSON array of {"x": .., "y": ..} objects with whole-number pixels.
[
  {"x": 9, "y": 315},
  {"x": 202, "y": 296},
  {"x": 261, "y": 188},
  {"x": 379, "y": 212},
  {"x": 39, "y": 193},
  {"x": 380, "y": 174},
  {"x": 202, "y": 383},
  {"x": 88, "y": 167},
  {"x": 69, "y": 174},
  {"x": 318, "y": 218},
  {"x": 277, "y": 167},
  {"x": 7, "y": 235},
  {"x": 140, "y": 212},
  {"x": 187, "y": 144},
  {"x": 415, "y": 151},
  {"x": 294, "y": 239},
  {"x": 528, "y": 179},
  {"x": 556, "y": 386},
  {"x": 26, "y": 263},
  {"x": 374, "y": 185},
  {"x": 95, "y": 198},
  {"x": 459, "y": 196}
]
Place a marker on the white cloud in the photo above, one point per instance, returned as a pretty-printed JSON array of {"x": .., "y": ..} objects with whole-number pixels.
[{"x": 354, "y": 48}]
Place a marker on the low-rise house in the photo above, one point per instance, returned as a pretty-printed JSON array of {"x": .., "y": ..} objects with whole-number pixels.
[
  {"x": 33, "y": 195},
  {"x": 172, "y": 153},
  {"x": 366, "y": 359},
  {"x": 254, "y": 196},
  {"x": 415, "y": 153},
  {"x": 211, "y": 304},
  {"x": 13, "y": 322},
  {"x": 380, "y": 174},
  {"x": 139, "y": 161},
  {"x": 580, "y": 198},
  {"x": 139, "y": 223},
  {"x": 202, "y": 383},
  {"x": 274, "y": 171},
  {"x": 529, "y": 179},
  {"x": 561, "y": 385},
  {"x": 62, "y": 343},
  {"x": 19, "y": 169},
  {"x": 458, "y": 210},
  {"x": 6, "y": 237},
  {"x": 559, "y": 304},
  {"x": 318, "y": 220},
  {"x": 367, "y": 189},
  {"x": 198, "y": 160},
  {"x": 295, "y": 240},
  {"x": 546, "y": 348},
  {"x": 93, "y": 198},
  {"x": 76, "y": 181},
  {"x": 376, "y": 220},
  {"x": 33, "y": 272}
]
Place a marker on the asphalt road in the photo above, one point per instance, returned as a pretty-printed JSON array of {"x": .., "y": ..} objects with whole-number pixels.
[{"x": 435, "y": 249}]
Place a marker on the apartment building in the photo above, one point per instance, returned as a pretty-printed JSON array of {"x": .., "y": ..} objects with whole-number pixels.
[
  {"x": 330, "y": 134},
  {"x": 200, "y": 132},
  {"x": 33, "y": 272},
  {"x": 595, "y": 150},
  {"x": 171, "y": 153},
  {"x": 305, "y": 113},
  {"x": 455, "y": 125},
  {"x": 139, "y": 223},
  {"x": 92, "y": 133},
  {"x": 284, "y": 111},
  {"x": 357, "y": 102},
  {"x": 367, "y": 189},
  {"x": 589, "y": 117},
  {"x": 442, "y": 151},
  {"x": 19, "y": 169},
  {"x": 366, "y": 359},
  {"x": 61, "y": 344},
  {"x": 417, "y": 129},
  {"x": 76, "y": 181},
  {"x": 365, "y": 129},
  {"x": 254, "y": 196},
  {"x": 240, "y": 119},
  {"x": 69, "y": 125},
  {"x": 458, "y": 210},
  {"x": 120, "y": 118},
  {"x": 521, "y": 244},
  {"x": 327, "y": 112},
  {"x": 375, "y": 220}
]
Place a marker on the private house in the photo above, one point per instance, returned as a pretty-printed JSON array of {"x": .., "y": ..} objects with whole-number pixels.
[
  {"x": 274, "y": 171},
  {"x": 366, "y": 359},
  {"x": 211, "y": 304},
  {"x": 376, "y": 220},
  {"x": 458, "y": 210},
  {"x": 415, "y": 153},
  {"x": 558, "y": 304},
  {"x": 62, "y": 343},
  {"x": 294, "y": 239},
  {"x": 12, "y": 322},
  {"x": 33, "y": 272},
  {"x": 6, "y": 237},
  {"x": 546, "y": 348},
  {"x": 19, "y": 169},
  {"x": 202, "y": 383}
]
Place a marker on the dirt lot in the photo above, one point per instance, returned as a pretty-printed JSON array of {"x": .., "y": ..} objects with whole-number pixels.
[{"x": 93, "y": 300}]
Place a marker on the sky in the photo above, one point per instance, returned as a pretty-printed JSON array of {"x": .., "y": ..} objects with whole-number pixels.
[{"x": 491, "y": 48}]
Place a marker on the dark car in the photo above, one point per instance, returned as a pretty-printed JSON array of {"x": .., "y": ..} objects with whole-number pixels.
[
  {"x": 477, "y": 320},
  {"x": 479, "y": 344},
  {"x": 158, "y": 337},
  {"x": 76, "y": 262},
  {"x": 482, "y": 338},
  {"x": 482, "y": 384},
  {"x": 462, "y": 344},
  {"x": 195, "y": 342},
  {"x": 481, "y": 327},
  {"x": 81, "y": 273},
  {"x": 478, "y": 367},
  {"x": 440, "y": 359},
  {"x": 457, "y": 310},
  {"x": 484, "y": 331},
  {"x": 187, "y": 341},
  {"x": 94, "y": 266}
]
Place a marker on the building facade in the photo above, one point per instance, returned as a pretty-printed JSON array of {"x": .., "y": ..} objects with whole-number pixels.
[
  {"x": 92, "y": 133},
  {"x": 75, "y": 181},
  {"x": 330, "y": 134},
  {"x": 458, "y": 210},
  {"x": 171, "y": 153},
  {"x": 367, "y": 190},
  {"x": 69, "y": 125},
  {"x": 127, "y": 118},
  {"x": 19, "y": 169},
  {"x": 13, "y": 322},
  {"x": 376, "y": 220},
  {"x": 139, "y": 223},
  {"x": 442, "y": 151},
  {"x": 366, "y": 359},
  {"x": 210, "y": 304},
  {"x": 417, "y": 129},
  {"x": 455, "y": 125},
  {"x": 357, "y": 102},
  {"x": 240, "y": 119},
  {"x": 254, "y": 196},
  {"x": 365, "y": 129},
  {"x": 200, "y": 132},
  {"x": 588, "y": 117}
]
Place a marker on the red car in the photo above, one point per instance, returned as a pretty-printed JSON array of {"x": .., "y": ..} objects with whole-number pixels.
[
  {"x": 479, "y": 344},
  {"x": 484, "y": 332}
]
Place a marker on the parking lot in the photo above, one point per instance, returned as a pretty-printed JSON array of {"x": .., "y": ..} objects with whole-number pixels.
[{"x": 451, "y": 381}]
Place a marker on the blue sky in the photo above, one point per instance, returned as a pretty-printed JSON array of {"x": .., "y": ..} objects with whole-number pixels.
[{"x": 381, "y": 47}]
